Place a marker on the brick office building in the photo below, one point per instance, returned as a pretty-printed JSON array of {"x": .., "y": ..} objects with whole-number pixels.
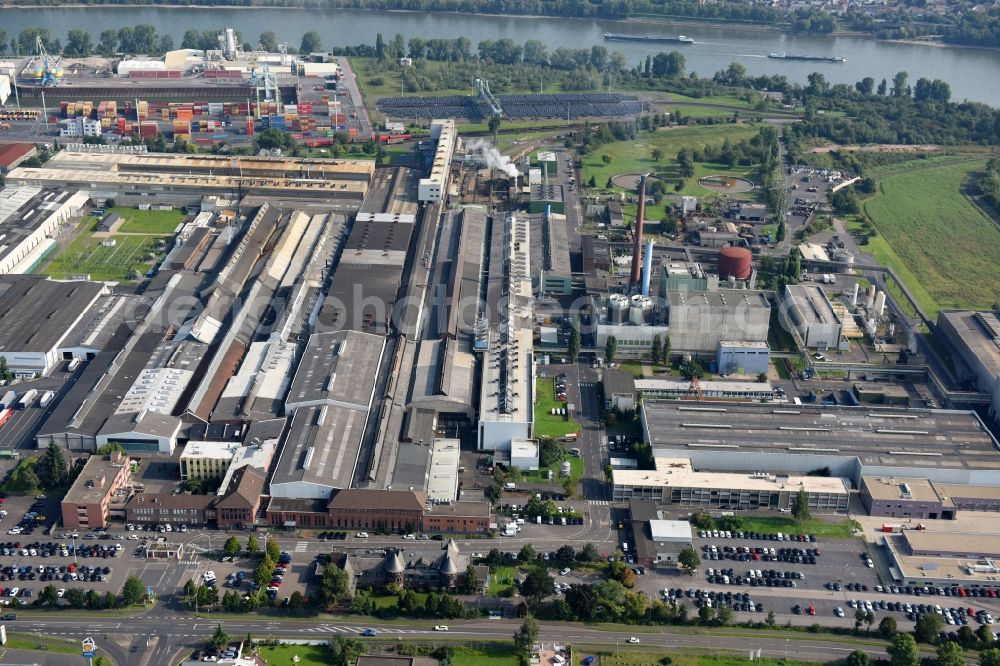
[
  {"x": 382, "y": 510},
  {"x": 88, "y": 502}
]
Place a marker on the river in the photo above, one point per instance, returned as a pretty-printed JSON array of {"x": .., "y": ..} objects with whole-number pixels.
[{"x": 972, "y": 73}]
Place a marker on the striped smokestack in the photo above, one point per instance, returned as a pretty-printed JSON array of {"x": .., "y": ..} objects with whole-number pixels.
[{"x": 634, "y": 279}]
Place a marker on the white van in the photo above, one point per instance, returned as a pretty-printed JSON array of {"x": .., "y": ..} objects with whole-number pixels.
[{"x": 509, "y": 486}]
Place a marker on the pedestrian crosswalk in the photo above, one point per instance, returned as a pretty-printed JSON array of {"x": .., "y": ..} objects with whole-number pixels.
[
  {"x": 332, "y": 629},
  {"x": 301, "y": 546},
  {"x": 598, "y": 502}
]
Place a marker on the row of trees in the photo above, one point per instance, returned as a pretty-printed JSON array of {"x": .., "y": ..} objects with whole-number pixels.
[
  {"x": 989, "y": 183},
  {"x": 133, "y": 593},
  {"x": 139, "y": 39}
]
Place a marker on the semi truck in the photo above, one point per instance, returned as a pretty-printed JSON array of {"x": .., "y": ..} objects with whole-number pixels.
[
  {"x": 8, "y": 399},
  {"x": 27, "y": 399}
]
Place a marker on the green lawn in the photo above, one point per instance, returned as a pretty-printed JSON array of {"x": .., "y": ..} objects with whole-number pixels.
[
  {"x": 540, "y": 475},
  {"x": 841, "y": 529},
  {"x": 132, "y": 256},
  {"x": 500, "y": 580},
  {"x": 636, "y": 156},
  {"x": 18, "y": 641},
  {"x": 282, "y": 655},
  {"x": 493, "y": 656},
  {"x": 725, "y": 100},
  {"x": 942, "y": 247},
  {"x": 547, "y": 425},
  {"x": 653, "y": 658},
  {"x": 156, "y": 222}
]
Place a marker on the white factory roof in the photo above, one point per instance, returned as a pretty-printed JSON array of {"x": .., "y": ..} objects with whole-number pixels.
[
  {"x": 257, "y": 456},
  {"x": 442, "y": 476},
  {"x": 14, "y": 197},
  {"x": 745, "y": 344},
  {"x": 677, "y": 472},
  {"x": 210, "y": 450},
  {"x": 670, "y": 530},
  {"x": 156, "y": 389},
  {"x": 813, "y": 252},
  {"x": 709, "y": 387}
]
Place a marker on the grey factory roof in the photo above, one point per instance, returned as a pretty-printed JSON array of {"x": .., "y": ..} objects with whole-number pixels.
[
  {"x": 337, "y": 368},
  {"x": 729, "y": 298},
  {"x": 99, "y": 324},
  {"x": 911, "y": 437},
  {"x": 22, "y": 212},
  {"x": 321, "y": 448},
  {"x": 550, "y": 192},
  {"x": 88, "y": 403},
  {"x": 410, "y": 469},
  {"x": 379, "y": 232},
  {"x": 145, "y": 422},
  {"x": 980, "y": 331},
  {"x": 811, "y": 304},
  {"x": 35, "y": 313},
  {"x": 360, "y": 298}
]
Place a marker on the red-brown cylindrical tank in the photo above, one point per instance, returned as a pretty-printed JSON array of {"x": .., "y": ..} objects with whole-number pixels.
[{"x": 735, "y": 262}]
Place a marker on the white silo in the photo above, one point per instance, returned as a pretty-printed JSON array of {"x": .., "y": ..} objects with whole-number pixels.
[
  {"x": 880, "y": 304},
  {"x": 870, "y": 297},
  {"x": 854, "y": 298},
  {"x": 641, "y": 310},
  {"x": 617, "y": 308}
]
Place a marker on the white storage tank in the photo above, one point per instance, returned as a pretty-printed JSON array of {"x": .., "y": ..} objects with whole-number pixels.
[
  {"x": 641, "y": 310},
  {"x": 880, "y": 304},
  {"x": 617, "y": 309}
]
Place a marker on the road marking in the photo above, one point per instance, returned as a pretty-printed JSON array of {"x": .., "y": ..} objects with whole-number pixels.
[{"x": 301, "y": 546}]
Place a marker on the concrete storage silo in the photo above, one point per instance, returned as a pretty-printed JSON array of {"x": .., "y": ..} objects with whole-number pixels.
[
  {"x": 870, "y": 297},
  {"x": 880, "y": 304},
  {"x": 617, "y": 309},
  {"x": 735, "y": 262},
  {"x": 640, "y": 310}
]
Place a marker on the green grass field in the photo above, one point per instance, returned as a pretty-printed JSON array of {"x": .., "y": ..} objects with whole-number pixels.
[
  {"x": 547, "y": 425},
  {"x": 636, "y": 156},
  {"x": 821, "y": 528},
  {"x": 86, "y": 255},
  {"x": 283, "y": 655},
  {"x": 943, "y": 247},
  {"x": 501, "y": 580},
  {"x": 652, "y": 659},
  {"x": 17, "y": 641},
  {"x": 157, "y": 222},
  {"x": 494, "y": 656}
]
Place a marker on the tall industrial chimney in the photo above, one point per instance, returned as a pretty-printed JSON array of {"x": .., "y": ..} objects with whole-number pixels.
[
  {"x": 637, "y": 240},
  {"x": 647, "y": 268}
]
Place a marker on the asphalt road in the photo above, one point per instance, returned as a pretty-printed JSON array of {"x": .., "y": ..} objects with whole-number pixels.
[{"x": 180, "y": 633}]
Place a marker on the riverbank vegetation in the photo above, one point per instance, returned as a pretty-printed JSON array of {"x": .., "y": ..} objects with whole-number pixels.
[{"x": 963, "y": 25}]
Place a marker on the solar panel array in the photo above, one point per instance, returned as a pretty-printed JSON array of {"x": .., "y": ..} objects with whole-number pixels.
[{"x": 567, "y": 105}]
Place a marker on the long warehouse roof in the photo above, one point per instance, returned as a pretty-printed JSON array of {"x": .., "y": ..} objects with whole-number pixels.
[{"x": 936, "y": 438}]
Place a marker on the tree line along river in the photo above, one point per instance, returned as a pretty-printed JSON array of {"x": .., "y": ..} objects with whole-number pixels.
[{"x": 972, "y": 73}]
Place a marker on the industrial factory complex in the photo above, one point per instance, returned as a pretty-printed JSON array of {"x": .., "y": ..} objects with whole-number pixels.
[{"x": 314, "y": 343}]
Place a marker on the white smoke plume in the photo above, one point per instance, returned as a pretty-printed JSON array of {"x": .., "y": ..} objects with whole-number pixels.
[{"x": 494, "y": 159}]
